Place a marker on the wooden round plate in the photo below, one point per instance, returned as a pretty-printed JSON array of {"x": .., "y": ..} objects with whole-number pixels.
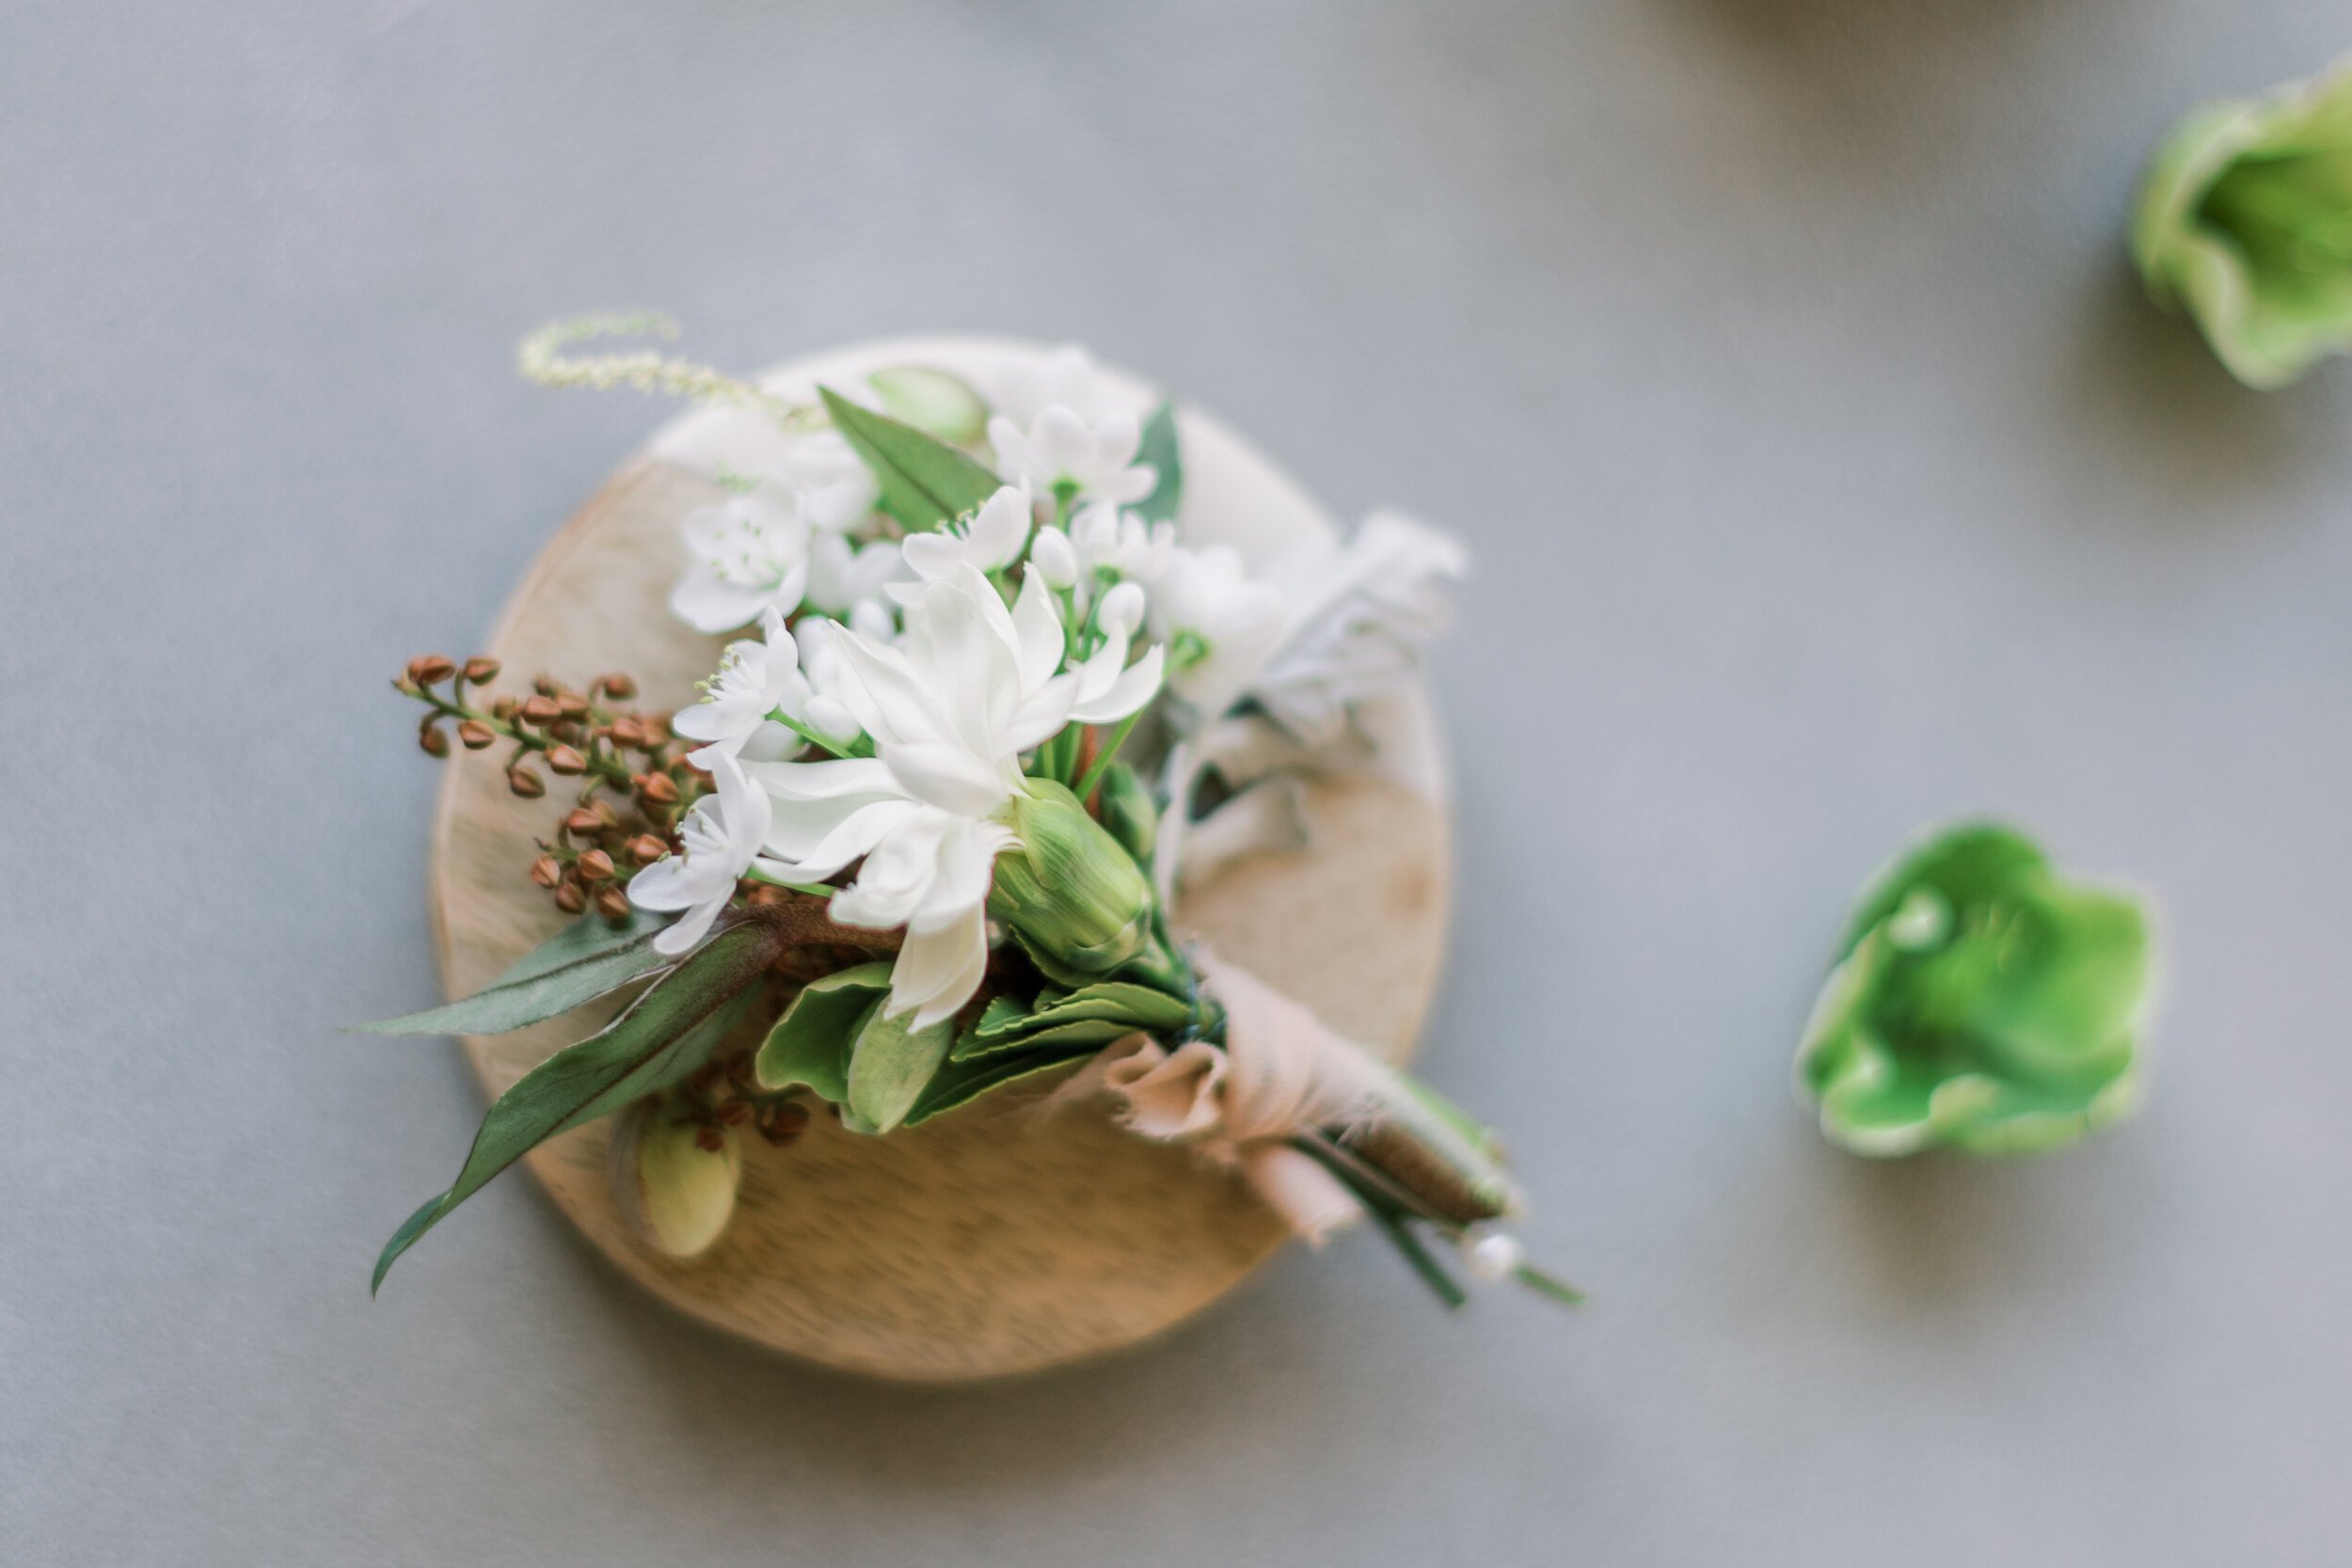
[{"x": 991, "y": 1240}]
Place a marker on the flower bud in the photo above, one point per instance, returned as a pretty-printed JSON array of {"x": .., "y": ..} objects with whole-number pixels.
[
  {"x": 523, "y": 781},
  {"x": 1121, "y": 609},
  {"x": 544, "y": 686},
  {"x": 594, "y": 866},
  {"x": 612, "y": 903},
  {"x": 539, "y": 710},
  {"x": 571, "y": 705},
  {"x": 781, "y": 1124},
  {"x": 579, "y": 819},
  {"x": 1129, "y": 815},
  {"x": 433, "y": 739},
  {"x": 1052, "y": 558},
  {"x": 504, "y": 708},
  {"x": 625, "y": 731},
  {"x": 615, "y": 684},
  {"x": 831, "y": 717},
  {"x": 674, "y": 1181},
  {"x": 656, "y": 790},
  {"x": 564, "y": 760},
  {"x": 480, "y": 668},
  {"x": 570, "y": 899},
  {"x": 1071, "y": 892},
  {"x": 547, "y": 871},
  {"x": 933, "y": 402},
  {"x": 430, "y": 669},
  {"x": 646, "y": 849},
  {"x": 475, "y": 734}
]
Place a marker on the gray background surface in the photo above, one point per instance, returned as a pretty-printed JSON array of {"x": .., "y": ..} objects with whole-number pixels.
[{"x": 1828, "y": 476}]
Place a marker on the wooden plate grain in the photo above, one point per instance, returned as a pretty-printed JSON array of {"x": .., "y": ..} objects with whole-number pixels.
[{"x": 992, "y": 1241}]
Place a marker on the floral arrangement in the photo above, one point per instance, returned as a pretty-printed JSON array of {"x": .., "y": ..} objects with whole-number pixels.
[
  {"x": 1979, "y": 1001},
  {"x": 918, "y": 840},
  {"x": 2245, "y": 219}
]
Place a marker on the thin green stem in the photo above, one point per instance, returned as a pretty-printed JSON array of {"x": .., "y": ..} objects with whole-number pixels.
[
  {"x": 862, "y": 747},
  {"x": 1104, "y": 758}
]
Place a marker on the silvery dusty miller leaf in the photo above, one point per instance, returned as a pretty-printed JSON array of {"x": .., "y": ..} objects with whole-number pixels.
[{"x": 590, "y": 957}]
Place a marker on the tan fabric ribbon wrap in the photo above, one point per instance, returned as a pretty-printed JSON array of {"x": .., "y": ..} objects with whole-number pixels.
[{"x": 1281, "y": 1073}]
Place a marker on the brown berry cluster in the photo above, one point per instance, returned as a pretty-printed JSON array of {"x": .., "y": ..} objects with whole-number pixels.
[
  {"x": 634, "y": 781},
  {"x": 726, "y": 1094}
]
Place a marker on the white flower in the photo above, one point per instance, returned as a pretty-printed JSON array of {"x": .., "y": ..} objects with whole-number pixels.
[
  {"x": 992, "y": 540},
  {"x": 724, "y": 833},
  {"x": 1064, "y": 378},
  {"x": 749, "y": 554},
  {"x": 753, "y": 679},
  {"x": 844, "y": 577},
  {"x": 837, "y": 490},
  {"x": 1108, "y": 540},
  {"x": 1052, "y": 555},
  {"x": 1095, "y": 456},
  {"x": 950, "y": 711},
  {"x": 1219, "y": 624},
  {"x": 1360, "y": 617}
]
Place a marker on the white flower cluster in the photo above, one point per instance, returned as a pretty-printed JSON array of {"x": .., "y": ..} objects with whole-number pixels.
[{"x": 907, "y": 686}]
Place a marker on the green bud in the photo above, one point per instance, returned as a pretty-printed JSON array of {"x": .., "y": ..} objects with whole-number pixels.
[
  {"x": 933, "y": 402},
  {"x": 1981, "y": 1002},
  {"x": 1074, "y": 896},
  {"x": 1129, "y": 813},
  {"x": 2244, "y": 220}
]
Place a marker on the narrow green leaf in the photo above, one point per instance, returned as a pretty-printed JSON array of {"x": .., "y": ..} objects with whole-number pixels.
[
  {"x": 588, "y": 958},
  {"x": 961, "y": 1083},
  {"x": 924, "y": 481},
  {"x": 665, "y": 1034},
  {"x": 1077, "y": 1037},
  {"x": 1140, "y": 1006},
  {"x": 1165, "y": 452},
  {"x": 891, "y": 1065},
  {"x": 810, "y": 1043}
]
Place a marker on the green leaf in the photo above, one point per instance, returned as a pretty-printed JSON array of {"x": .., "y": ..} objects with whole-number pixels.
[
  {"x": 666, "y": 1035},
  {"x": 961, "y": 1083},
  {"x": 891, "y": 1064},
  {"x": 588, "y": 958},
  {"x": 933, "y": 402},
  {"x": 1142, "y": 1006},
  {"x": 810, "y": 1043},
  {"x": 1162, "y": 451},
  {"x": 1091, "y": 1015},
  {"x": 924, "y": 481},
  {"x": 1080, "y": 1037}
]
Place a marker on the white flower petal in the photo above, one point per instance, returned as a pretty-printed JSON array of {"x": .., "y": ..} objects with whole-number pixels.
[
  {"x": 948, "y": 777},
  {"x": 1136, "y": 685},
  {"x": 1038, "y": 629},
  {"x": 938, "y": 971},
  {"x": 708, "y": 603}
]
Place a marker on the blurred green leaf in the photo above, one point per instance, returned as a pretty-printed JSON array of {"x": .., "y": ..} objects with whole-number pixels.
[{"x": 1164, "y": 449}]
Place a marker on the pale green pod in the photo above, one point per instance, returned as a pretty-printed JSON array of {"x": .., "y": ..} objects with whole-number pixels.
[
  {"x": 933, "y": 402},
  {"x": 675, "y": 1195}
]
